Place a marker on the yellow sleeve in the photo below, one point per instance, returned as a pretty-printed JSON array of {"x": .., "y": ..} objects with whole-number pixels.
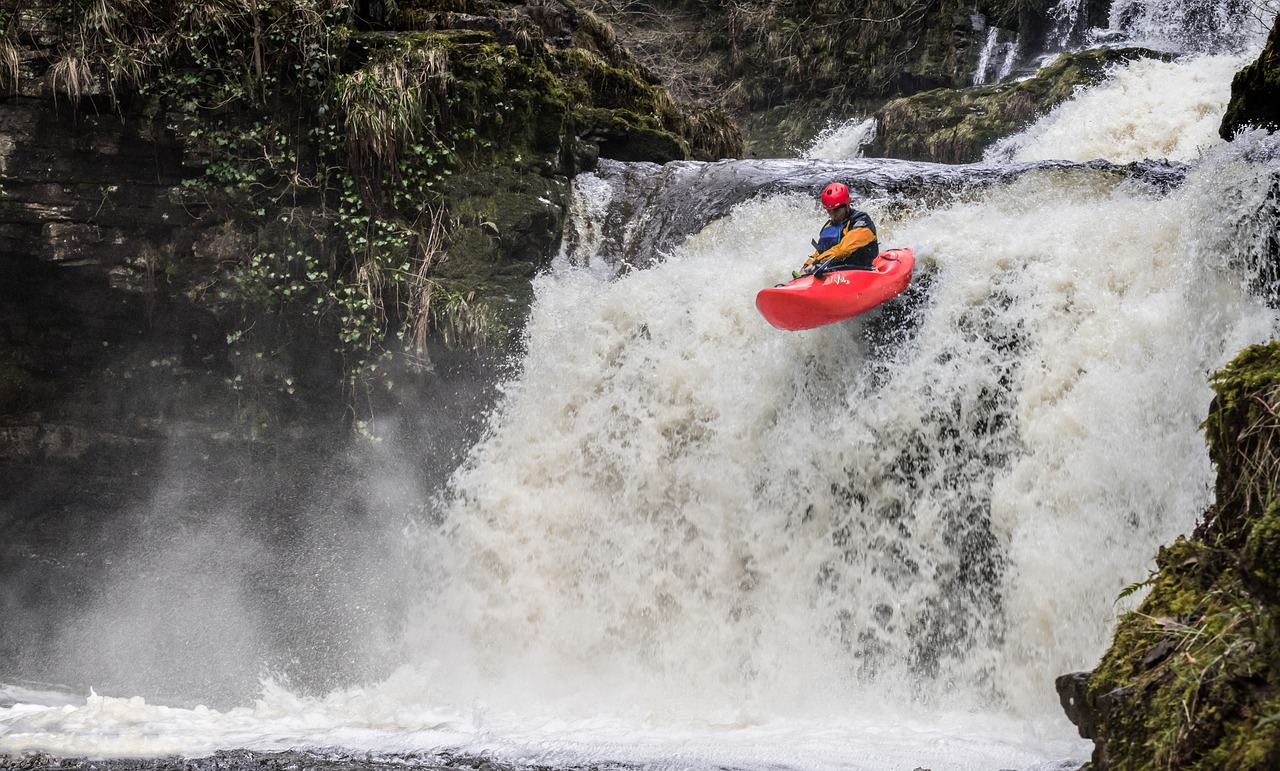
[{"x": 852, "y": 241}]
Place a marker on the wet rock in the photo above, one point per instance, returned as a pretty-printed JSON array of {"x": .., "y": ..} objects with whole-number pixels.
[
  {"x": 1073, "y": 692},
  {"x": 1255, "y": 92}
]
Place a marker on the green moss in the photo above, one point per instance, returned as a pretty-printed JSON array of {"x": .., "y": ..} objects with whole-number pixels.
[
  {"x": 1255, "y": 91},
  {"x": 955, "y": 126},
  {"x": 1261, "y": 554},
  {"x": 1192, "y": 678},
  {"x": 1243, "y": 442}
]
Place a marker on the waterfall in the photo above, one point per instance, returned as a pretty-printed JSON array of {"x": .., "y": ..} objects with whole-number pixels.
[
  {"x": 690, "y": 540},
  {"x": 842, "y": 140},
  {"x": 680, "y": 507},
  {"x": 1147, "y": 109},
  {"x": 1205, "y": 26},
  {"x": 997, "y": 57},
  {"x": 1183, "y": 26}
]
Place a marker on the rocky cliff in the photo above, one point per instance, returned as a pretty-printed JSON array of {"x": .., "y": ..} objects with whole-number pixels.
[
  {"x": 1255, "y": 91},
  {"x": 293, "y": 192},
  {"x": 1192, "y": 678}
]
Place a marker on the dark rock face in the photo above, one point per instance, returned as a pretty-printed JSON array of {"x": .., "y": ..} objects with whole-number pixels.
[
  {"x": 95, "y": 227},
  {"x": 1255, "y": 92},
  {"x": 1073, "y": 693},
  {"x": 81, "y": 189}
]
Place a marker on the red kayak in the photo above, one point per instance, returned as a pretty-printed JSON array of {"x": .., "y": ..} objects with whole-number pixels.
[{"x": 836, "y": 295}]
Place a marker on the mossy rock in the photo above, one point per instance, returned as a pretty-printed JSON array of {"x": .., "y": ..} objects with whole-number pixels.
[
  {"x": 1261, "y": 556},
  {"x": 1192, "y": 677},
  {"x": 1255, "y": 92},
  {"x": 956, "y": 126},
  {"x": 1244, "y": 444},
  {"x": 505, "y": 222},
  {"x": 624, "y": 135}
]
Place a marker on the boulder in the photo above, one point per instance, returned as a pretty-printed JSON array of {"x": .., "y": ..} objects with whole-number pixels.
[{"x": 1255, "y": 92}]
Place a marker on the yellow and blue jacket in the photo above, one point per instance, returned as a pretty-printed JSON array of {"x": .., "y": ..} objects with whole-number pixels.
[{"x": 852, "y": 242}]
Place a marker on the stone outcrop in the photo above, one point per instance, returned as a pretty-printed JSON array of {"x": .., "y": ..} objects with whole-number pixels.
[
  {"x": 1255, "y": 92},
  {"x": 1192, "y": 678},
  {"x": 958, "y": 125}
]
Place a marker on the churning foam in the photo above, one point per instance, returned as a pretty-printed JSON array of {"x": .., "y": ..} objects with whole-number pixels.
[
  {"x": 1145, "y": 109},
  {"x": 679, "y": 504},
  {"x": 842, "y": 140}
]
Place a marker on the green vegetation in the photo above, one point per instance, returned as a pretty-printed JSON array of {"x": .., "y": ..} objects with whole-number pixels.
[
  {"x": 388, "y": 182},
  {"x": 1192, "y": 679}
]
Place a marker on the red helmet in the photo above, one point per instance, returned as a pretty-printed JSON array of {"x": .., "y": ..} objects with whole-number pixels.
[{"x": 834, "y": 195}]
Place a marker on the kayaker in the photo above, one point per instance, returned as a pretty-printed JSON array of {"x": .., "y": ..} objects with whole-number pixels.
[{"x": 848, "y": 238}]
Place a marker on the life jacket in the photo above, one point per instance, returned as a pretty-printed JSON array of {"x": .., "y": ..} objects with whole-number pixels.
[{"x": 832, "y": 234}]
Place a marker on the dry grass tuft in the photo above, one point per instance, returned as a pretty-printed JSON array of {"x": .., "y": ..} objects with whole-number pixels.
[
  {"x": 8, "y": 66},
  {"x": 389, "y": 101},
  {"x": 72, "y": 76},
  {"x": 420, "y": 306}
]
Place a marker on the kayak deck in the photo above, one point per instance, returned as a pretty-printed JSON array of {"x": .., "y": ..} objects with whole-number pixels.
[{"x": 827, "y": 297}]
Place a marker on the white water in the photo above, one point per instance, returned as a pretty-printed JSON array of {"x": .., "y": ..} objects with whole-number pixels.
[
  {"x": 691, "y": 540},
  {"x": 1147, "y": 109},
  {"x": 1180, "y": 26},
  {"x": 998, "y": 55},
  {"x": 842, "y": 140}
]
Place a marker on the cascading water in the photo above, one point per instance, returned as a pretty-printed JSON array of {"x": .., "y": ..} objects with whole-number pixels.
[
  {"x": 1203, "y": 26},
  {"x": 682, "y": 510},
  {"x": 1086, "y": 127},
  {"x": 691, "y": 540},
  {"x": 842, "y": 140},
  {"x": 998, "y": 55}
]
